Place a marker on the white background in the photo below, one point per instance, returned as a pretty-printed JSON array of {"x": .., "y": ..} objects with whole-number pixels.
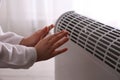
[
  {"x": 105, "y": 11},
  {"x": 29, "y": 18}
]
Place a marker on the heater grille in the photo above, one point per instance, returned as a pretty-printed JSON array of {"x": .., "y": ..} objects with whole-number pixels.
[{"x": 100, "y": 40}]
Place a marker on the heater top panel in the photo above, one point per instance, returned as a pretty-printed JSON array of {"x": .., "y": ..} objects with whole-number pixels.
[{"x": 100, "y": 40}]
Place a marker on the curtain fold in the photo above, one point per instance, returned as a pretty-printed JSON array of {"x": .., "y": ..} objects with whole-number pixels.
[
  {"x": 3, "y": 15},
  {"x": 19, "y": 16},
  {"x": 23, "y": 16}
]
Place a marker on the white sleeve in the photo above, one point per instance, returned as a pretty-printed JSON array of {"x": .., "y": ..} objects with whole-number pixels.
[
  {"x": 10, "y": 37},
  {"x": 16, "y": 56}
]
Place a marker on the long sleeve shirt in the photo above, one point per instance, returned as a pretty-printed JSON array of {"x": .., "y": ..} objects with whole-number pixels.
[{"x": 13, "y": 55}]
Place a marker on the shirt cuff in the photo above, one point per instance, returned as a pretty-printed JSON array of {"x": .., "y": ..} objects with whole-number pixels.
[{"x": 31, "y": 52}]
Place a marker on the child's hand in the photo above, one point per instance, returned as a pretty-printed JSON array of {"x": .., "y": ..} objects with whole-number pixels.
[
  {"x": 32, "y": 40},
  {"x": 48, "y": 47}
]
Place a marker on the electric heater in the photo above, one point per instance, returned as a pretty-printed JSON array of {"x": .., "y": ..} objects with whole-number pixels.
[{"x": 94, "y": 49}]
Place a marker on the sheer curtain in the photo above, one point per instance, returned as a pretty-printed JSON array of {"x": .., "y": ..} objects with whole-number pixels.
[{"x": 24, "y": 17}]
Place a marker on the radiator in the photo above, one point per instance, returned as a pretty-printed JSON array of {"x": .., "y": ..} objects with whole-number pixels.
[{"x": 98, "y": 40}]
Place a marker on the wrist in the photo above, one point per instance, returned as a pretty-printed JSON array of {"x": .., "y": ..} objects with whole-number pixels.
[{"x": 24, "y": 42}]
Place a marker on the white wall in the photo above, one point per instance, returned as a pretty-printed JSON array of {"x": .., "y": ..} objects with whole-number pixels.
[{"x": 105, "y": 11}]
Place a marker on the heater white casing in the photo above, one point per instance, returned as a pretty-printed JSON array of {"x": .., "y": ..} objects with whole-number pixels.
[{"x": 78, "y": 63}]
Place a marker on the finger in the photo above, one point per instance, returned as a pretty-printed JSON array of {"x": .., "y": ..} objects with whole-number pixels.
[
  {"x": 47, "y": 31},
  {"x": 53, "y": 35},
  {"x": 50, "y": 27},
  {"x": 43, "y": 33},
  {"x": 60, "y": 43},
  {"x": 57, "y": 52},
  {"x": 40, "y": 32},
  {"x": 59, "y": 36}
]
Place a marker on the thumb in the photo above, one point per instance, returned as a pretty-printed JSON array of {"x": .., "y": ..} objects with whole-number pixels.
[
  {"x": 44, "y": 32},
  {"x": 40, "y": 33}
]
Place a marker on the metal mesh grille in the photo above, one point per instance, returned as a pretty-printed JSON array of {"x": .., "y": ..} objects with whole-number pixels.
[{"x": 100, "y": 40}]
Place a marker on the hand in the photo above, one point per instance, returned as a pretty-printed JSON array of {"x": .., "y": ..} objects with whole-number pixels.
[
  {"x": 32, "y": 40},
  {"x": 48, "y": 46}
]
